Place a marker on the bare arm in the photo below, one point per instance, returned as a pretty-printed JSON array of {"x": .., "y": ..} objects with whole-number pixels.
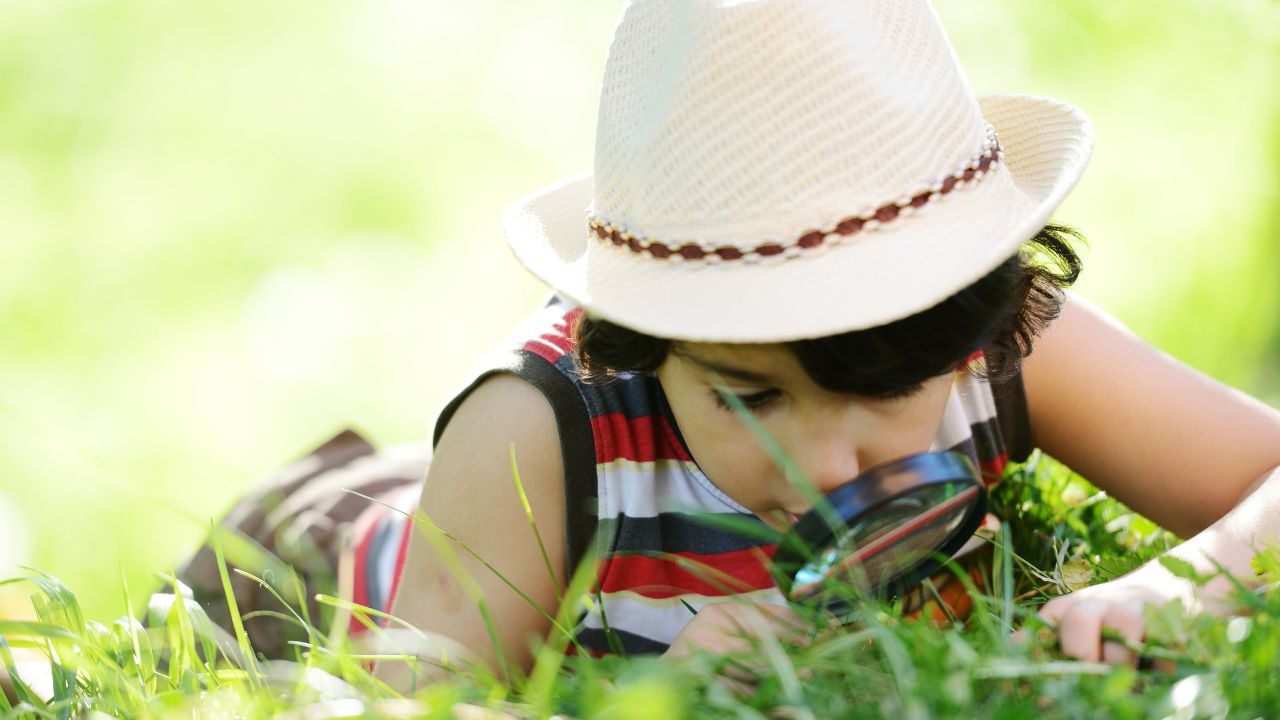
[
  {"x": 1173, "y": 444},
  {"x": 471, "y": 494},
  {"x": 1190, "y": 453}
]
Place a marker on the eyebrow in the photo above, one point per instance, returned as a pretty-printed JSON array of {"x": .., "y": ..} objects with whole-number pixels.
[{"x": 728, "y": 371}]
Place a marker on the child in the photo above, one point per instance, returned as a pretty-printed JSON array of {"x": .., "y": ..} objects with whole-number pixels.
[{"x": 804, "y": 200}]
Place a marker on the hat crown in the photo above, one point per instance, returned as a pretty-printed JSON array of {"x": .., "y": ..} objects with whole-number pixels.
[{"x": 742, "y": 121}]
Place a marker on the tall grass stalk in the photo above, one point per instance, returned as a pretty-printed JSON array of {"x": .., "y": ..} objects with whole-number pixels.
[
  {"x": 549, "y": 661},
  {"x": 533, "y": 522},
  {"x": 793, "y": 472},
  {"x": 250, "y": 663}
]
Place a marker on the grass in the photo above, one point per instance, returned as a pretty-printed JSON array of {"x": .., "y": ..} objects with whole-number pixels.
[
  {"x": 232, "y": 229},
  {"x": 1059, "y": 534}
]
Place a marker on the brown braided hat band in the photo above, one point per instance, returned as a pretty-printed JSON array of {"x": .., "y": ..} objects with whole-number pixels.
[{"x": 987, "y": 159}]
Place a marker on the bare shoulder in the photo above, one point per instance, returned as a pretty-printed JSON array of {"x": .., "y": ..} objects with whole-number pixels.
[
  {"x": 472, "y": 469},
  {"x": 485, "y": 547},
  {"x": 503, "y": 407},
  {"x": 1170, "y": 441}
]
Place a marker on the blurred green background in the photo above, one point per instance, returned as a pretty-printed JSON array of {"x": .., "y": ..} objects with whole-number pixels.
[{"x": 228, "y": 229}]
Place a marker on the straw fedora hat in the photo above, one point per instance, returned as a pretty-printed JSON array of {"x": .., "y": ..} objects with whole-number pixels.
[{"x": 772, "y": 170}]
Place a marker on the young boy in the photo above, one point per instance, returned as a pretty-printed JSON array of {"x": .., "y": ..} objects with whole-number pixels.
[{"x": 805, "y": 201}]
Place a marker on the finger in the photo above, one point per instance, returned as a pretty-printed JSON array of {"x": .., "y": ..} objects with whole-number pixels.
[
  {"x": 729, "y": 627},
  {"x": 738, "y": 688},
  {"x": 1042, "y": 631},
  {"x": 1080, "y": 630},
  {"x": 1053, "y": 610},
  {"x": 768, "y": 625},
  {"x": 1114, "y": 653},
  {"x": 779, "y": 621},
  {"x": 1125, "y": 618},
  {"x": 1019, "y": 637},
  {"x": 784, "y": 616},
  {"x": 742, "y": 670}
]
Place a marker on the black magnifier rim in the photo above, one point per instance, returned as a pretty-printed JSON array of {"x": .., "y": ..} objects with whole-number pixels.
[{"x": 873, "y": 489}]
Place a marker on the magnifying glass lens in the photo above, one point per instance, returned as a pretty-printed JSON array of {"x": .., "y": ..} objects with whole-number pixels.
[{"x": 888, "y": 541}]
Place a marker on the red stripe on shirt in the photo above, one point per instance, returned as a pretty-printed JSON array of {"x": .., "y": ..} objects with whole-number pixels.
[
  {"x": 559, "y": 339},
  {"x": 399, "y": 569},
  {"x": 569, "y": 321},
  {"x": 686, "y": 573},
  {"x": 364, "y": 528},
  {"x": 992, "y": 470},
  {"x": 669, "y": 442},
  {"x": 545, "y": 350},
  {"x": 618, "y": 436},
  {"x": 553, "y": 345}
]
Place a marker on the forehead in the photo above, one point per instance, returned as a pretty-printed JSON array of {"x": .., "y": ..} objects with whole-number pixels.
[
  {"x": 745, "y": 353},
  {"x": 772, "y": 362}
]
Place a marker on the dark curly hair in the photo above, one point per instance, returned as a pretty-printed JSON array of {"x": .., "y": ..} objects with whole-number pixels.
[{"x": 999, "y": 314}]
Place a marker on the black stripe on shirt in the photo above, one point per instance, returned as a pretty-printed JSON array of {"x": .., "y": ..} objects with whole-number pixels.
[
  {"x": 629, "y": 643},
  {"x": 702, "y": 533}
]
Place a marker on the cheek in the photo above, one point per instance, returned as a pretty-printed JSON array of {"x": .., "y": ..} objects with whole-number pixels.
[
  {"x": 726, "y": 451},
  {"x": 720, "y": 440},
  {"x": 739, "y": 466},
  {"x": 921, "y": 422}
]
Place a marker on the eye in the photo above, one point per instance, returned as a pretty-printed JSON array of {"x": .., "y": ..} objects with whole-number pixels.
[{"x": 752, "y": 401}]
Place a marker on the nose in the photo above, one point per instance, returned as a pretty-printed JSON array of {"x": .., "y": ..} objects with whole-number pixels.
[{"x": 829, "y": 460}]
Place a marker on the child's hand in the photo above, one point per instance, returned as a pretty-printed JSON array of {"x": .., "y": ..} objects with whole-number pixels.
[
  {"x": 735, "y": 628},
  {"x": 1082, "y": 616},
  {"x": 731, "y": 627}
]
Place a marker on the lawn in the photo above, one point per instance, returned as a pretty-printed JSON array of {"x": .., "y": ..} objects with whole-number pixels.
[{"x": 1060, "y": 535}]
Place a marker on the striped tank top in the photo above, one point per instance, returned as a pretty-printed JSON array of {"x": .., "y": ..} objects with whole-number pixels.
[{"x": 666, "y": 539}]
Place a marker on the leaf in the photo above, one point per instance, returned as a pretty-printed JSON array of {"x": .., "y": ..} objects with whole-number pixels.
[
  {"x": 1184, "y": 570},
  {"x": 1267, "y": 563},
  {"x": 1077, "y": 573},
  {"x": 1167, "y": 624}
]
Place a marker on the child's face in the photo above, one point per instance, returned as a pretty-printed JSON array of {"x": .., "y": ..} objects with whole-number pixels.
[{"x": 831, "y": 436}]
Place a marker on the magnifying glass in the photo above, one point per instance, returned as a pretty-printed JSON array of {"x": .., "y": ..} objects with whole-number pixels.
[{"x": 882, "y": 532}]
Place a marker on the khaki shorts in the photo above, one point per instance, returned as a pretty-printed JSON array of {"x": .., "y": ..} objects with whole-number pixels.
[{"x": 297, "y": 522}]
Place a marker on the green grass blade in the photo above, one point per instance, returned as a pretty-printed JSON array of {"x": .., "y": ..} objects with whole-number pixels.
[
  {"x": 26, "y": 710},
  {"x": 794, "y": 474},
  {"x": 64, "y": 685},
  {"x": 300, "y": 591},
  {"x": 615, "y": 644},
  {"x": 533, "y": 523},
  {"x": 61, "y": 600},
  {"x": 181, "y": 643},
  {"x": 242, "y": 638},
  {"x": 346, "y": 589},
  {"x": 28, "y": 699},
  {"x": 504, "y": 665},
  {"x": 37, "y": 629},
  {"x": 313, "y": 634},
  {"x": 1006, "y": 578},
  {"x": 550, "y": 658},
  {"x": 133, "y": 625},
  {"x": 445, "y": 662}
]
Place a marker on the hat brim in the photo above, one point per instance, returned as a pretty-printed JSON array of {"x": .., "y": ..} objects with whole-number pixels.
[{"x": 871, "y": 279}]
